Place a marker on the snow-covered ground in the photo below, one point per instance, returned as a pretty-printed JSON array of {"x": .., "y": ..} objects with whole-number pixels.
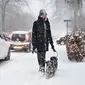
[{"x": 22, "y": 69}]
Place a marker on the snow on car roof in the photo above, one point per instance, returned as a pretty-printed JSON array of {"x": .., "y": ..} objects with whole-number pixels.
[{"x": 19, "y": 32}]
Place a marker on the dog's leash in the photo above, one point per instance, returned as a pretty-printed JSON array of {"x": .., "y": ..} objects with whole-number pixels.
[{"x": 57, "y": 54}]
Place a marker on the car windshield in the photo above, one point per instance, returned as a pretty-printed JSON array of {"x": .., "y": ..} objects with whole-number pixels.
[{"x": 18, "y": 37}]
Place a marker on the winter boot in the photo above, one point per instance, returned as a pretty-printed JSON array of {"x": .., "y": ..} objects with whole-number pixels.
[
  {"x": 40, "y": 68},
  {"x": 43, "y": 69}
]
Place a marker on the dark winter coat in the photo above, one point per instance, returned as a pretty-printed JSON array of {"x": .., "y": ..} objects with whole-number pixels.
[{"x": 39, "y": 40}]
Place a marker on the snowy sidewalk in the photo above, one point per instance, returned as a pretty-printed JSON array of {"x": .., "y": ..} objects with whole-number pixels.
[{"x": 68, "y": 73}]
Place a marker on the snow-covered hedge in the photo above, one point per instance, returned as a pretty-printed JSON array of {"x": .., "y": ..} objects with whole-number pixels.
[{"x": 75, "y": 46}]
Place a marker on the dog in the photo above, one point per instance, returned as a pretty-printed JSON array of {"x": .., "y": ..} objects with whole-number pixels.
[{"x": 51, "y": 67}]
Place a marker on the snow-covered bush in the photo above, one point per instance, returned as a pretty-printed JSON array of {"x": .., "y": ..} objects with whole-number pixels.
[{"x": 75, "y": 46}]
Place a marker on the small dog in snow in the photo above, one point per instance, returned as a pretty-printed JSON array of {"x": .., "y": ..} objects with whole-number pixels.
[{"x": 51, "y": 66}]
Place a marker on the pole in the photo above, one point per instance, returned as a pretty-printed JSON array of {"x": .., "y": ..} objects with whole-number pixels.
[
  {"x": 67, "y": 28},
  {"x": 67, "y": 23}
]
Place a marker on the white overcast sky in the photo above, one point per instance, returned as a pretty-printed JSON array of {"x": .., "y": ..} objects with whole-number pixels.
[{"x": 36, "y": 5}]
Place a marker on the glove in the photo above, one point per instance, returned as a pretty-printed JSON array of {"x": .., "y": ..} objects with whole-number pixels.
[{"x": 34, "y": 50}]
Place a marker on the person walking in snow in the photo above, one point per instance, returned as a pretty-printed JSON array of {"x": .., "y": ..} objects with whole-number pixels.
[{"x": 41, "y": 37}]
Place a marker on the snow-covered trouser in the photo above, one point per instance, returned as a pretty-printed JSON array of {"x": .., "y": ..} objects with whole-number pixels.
[{"x": 41, "y": 58}]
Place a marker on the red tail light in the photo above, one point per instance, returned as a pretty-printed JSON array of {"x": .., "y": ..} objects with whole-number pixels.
[
  {"x": 30, "y": 37},
  {"x": 26, "y": 37}
]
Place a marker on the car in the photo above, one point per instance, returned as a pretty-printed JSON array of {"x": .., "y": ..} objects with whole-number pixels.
[
  {"x": 4, "y": 49},
  {"x": 4, "y": 36},
  {"x": 20, "y": 40},
  {"x": 61, "y": 41}
]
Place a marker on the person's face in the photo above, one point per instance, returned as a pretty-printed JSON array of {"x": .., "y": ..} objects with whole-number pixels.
[{"x": 44, "y": 16}]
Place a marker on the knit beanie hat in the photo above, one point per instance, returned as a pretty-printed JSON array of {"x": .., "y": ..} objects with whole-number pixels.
[{"x": 42, "y": 12}]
